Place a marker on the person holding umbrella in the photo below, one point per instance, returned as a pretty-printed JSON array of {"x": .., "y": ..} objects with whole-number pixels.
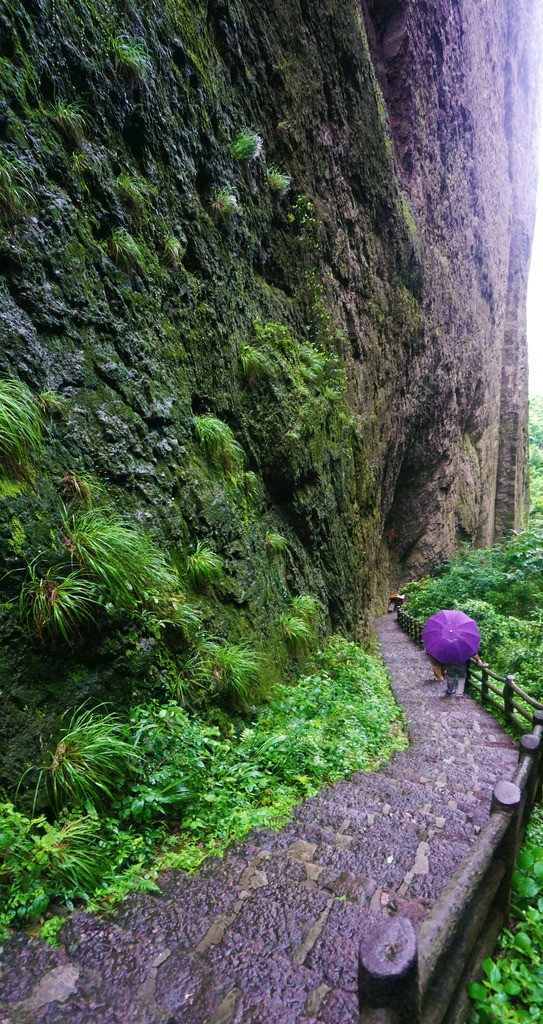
[{"x": 450, "y": 639}]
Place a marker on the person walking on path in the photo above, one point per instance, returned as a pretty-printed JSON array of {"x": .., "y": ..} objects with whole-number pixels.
[{"x": 450, "y": 639}]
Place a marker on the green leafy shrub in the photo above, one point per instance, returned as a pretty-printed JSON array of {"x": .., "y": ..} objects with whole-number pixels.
[
  {"x": 129, "y": 57},
  {"x": 222, "y": 205},
  {"x": 20, "y": 425},
  {"x": 16, "y": 196},
  {"x": 277, "y": 180},
  {"x": 123, "y": 560},
  {"x": 219, "y": 443},
  {"x": 247, "y": 146},
  {"x": 57, "y": 605},
  {"x": 203, "y": 566}
]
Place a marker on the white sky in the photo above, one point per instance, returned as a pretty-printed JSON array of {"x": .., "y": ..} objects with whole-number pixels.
[{"x": 535, "y": 298}]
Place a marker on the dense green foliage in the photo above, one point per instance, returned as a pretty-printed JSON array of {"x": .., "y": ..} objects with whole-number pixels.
[
  {"x": 166, "y": 787},
  {"x": 511, "y": 991},
  {"x": 536, "y": 456},
  {"x": 502, "y": 589}
]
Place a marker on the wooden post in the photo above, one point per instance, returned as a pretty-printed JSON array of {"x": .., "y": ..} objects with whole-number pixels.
[
  {"x": 484, "y": 682},
  {"x": 530, "y": 750},
  {"x": 508, "y": 696},
  {"x": 388, "y": 979},
  {"x": 506, "y": 799}
]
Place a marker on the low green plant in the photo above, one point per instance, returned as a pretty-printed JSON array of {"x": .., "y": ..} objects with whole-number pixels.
[
  {"x": 40, "y": 861},
  {"x": 276, "y": 543},
  {"x": 277, "y": 180},
  {"x": 203, "y": 566},
  {"x": 20, "y": 425},
  {"x": 121, "y": 558},
  {"x": 130, "y": 57},
  {"x": 124, "y": 250},
  {"x": 247, "y": 146},
  {"x": 252, "y": 486},
  {"x": 256, "y": 364},
  {"x": 219, "y": 443},
  {"x": 235, "y": 671},
  {"x": 70, "y": 119},
  {"x": 90, "y": 763},
  {"x": 222, "y": 205},
  {"x": 57, "y": 605},
  {"x": 16, "y": 196},
  {"x": 181, "y": 612}
]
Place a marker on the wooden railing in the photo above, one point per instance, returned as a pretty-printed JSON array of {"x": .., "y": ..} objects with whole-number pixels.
[{"x": 406, "y": 978}]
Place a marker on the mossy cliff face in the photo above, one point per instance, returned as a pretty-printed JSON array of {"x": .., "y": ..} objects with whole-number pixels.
[
  {"x": 462, "y": 87},
  {"x": 127, "y": 293}
]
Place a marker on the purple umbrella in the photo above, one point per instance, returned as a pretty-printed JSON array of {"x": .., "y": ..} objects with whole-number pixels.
[{"x": 451, "y": 637}]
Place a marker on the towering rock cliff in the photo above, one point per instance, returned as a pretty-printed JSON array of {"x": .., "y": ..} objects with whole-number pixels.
[
  {"x": 380, "y": 300},
  {"x": 462, "y": 90}
]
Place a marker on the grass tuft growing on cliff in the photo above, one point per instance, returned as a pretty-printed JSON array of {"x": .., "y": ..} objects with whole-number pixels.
[
  {"x": 124, "y": 250},
  {"x": 223, "y": 204},
  {"x": 16, "y": 196},
  {"x": 278, "y": 181},
  {"x": 20, "y": 425},
  {"x": 123, "y": 560},
  {"x": 70, "y": 119},
  {"x": 247, "y": 146},
  {"x": 129, "y": 57},
  {"x": 57, "y": 606},
  {"x": 219, "y": 443},
  {"x": 203, "y": 566},
  {"x": 92, "y": 761}
]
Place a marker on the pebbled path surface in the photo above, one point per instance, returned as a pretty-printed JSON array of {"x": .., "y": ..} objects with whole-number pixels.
[{"x": 269, "y": 934}]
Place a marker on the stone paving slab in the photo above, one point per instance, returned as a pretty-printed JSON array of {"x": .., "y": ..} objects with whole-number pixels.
[{"x": 269, "y": 933}]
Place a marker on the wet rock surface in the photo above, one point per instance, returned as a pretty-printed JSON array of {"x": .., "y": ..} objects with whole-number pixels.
[{"x": 269, "y": 934}]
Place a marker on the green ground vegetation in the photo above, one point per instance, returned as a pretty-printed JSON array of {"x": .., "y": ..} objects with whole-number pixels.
[
  {"x": 118, "y": 799},
  {"x": 511, "y": 989}
]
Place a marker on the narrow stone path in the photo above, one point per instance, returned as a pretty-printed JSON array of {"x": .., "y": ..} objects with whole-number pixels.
[{"x": 269, "y": 934}]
